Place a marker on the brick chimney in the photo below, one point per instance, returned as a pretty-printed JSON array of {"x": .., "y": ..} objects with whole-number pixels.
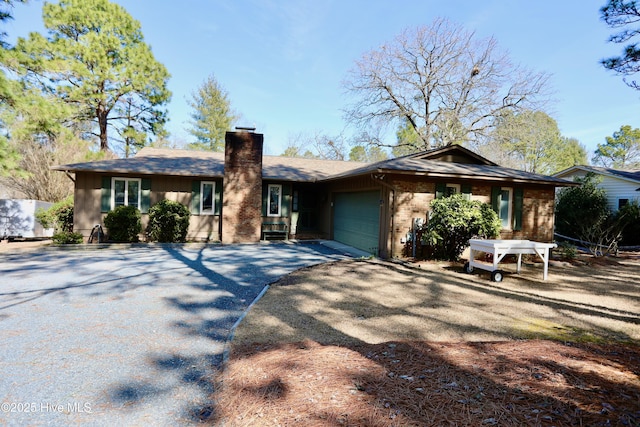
[{"x": 242, "y": 187}]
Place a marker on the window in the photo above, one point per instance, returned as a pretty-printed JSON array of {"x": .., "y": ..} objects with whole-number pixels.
[
  {"x": 505, "y": 206},
  {"x": 622, "y": 203},
  {"x": 294, "y": 203},
  {"x": 508, "y": 203},
  {"x": 125, "y": 192},
  {"x": 451, "y": 189},
  {"x": 207, "y": 200},
  {"x": 274, "y": 199},
  {"x": 445, "y": 190}
]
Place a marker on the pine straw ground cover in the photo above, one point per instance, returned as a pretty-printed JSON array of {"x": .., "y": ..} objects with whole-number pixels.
[{"x": 371, "y": 343}]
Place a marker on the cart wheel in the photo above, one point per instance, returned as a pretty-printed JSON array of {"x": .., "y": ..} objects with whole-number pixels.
[
  {"x": 497, "y": 276},
  {"x": 468, "y": 268}
]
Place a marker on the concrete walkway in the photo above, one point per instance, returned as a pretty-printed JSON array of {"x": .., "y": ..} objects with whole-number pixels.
[{"x": 127, "y": 336}]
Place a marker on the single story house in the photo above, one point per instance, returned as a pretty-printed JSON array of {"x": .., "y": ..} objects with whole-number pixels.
[
  {"x": 622, "y": 187},
  {"x": 234, "y": 196}
]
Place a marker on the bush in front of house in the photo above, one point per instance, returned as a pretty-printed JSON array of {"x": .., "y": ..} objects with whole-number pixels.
[
  {"x": 583, "y": 213},
  {"x": 168, "y": 222},
  {"x": 67, "y": 238},
  {"x": 453, "y": 221},
  {"x": 629, "y": 216},
  {"x": 58, "y": 216},
  {"x": 579, "y": 209},
  {"x": 123, "y": 224}
]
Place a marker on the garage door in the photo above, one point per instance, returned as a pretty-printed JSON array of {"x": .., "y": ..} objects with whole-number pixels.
[{"x": 356, "y": 220}]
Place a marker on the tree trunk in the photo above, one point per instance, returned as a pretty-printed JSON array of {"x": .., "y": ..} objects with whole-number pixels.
[{"x": 102, "y": 115}]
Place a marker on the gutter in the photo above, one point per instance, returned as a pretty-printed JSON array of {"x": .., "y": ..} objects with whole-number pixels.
[{"x": 558, "y": 182}]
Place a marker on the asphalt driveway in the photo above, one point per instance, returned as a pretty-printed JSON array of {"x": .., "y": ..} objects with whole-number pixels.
[{"x": 127, "y": 336}]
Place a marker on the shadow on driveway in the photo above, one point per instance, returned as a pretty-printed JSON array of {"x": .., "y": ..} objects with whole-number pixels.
[{"x": 127, "y": 336}]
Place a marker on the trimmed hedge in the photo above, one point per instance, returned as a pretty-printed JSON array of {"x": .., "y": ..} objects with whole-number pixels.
[
  {"x": 123, "y": 224},
  {"x": 168, "y": 222}
]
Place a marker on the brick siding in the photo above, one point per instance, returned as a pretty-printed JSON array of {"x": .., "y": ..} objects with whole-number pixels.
[
  {"x": 242, "y": 187},
  {"x": 413, "y": 197}
]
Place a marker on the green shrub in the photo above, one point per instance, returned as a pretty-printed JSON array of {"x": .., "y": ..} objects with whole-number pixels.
[
  {"x": 629, "y": 215},
  {"x": 567, "y": 250},
  {"x": 168, "y": 222},
  {"x": 123, "y": 224},
  {"x": 583, "y": 213},
  {"x": 67, "y": 237},
  {"x": 59, "y": 216},
  {"x": 579, "y": 209},
  {"x": 453, "y": 221}
]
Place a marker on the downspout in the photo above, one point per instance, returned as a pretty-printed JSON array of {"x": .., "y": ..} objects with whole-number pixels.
[{"x": 380, "y": 179}]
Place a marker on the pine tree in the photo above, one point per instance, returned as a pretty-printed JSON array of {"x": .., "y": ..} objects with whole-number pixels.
[
  {"x": 95, "y": 58},
  {"x": 211, "y": 117}
]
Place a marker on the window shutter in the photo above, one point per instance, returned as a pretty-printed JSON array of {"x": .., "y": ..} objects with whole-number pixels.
[
  {"x": 145, "y": 198},
  {"x": 465, "y": 189},
  {"x": 495, "y": 199},
  {"x": 286, "y": 200},
  {"x": 265, "y": 198},
  {"x": 441, "y": 187},
  {"x": 218, "y": 198},
  {"x": 195, "y": 197},
  {"x": 518, "y": 199},
  {"x": 105, "y": 194}
]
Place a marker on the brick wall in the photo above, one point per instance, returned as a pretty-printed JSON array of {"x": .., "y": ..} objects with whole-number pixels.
[
  {"x": 537, "y": 216},
  {"x": 242, "y": 187},
  {"x": 412, "y": 201},
  {"x": 413, "y": 197}
]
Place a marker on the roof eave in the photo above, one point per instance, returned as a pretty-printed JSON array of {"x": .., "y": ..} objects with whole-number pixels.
[
  {"x": 589, "y": 169},
  {"x": 556, "y": 183},
  {"x": 62, "y": 168}
]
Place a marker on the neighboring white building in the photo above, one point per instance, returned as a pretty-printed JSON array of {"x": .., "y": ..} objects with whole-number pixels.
[
  {"x": 622, "y": 187},
  {"x": 17, "y": 218}
]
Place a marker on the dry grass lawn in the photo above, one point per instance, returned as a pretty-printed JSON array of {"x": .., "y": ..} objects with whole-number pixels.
[{"x": 372, "y": 343}]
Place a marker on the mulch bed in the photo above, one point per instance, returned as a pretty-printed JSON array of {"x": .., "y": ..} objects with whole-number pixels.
[{"x": 523, "y": 383}]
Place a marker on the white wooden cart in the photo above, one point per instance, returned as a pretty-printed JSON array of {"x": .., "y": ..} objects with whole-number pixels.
[{"x": 500, "y": 248}]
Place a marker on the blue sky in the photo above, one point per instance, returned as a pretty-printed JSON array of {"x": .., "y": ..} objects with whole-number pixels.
[{"x": 283, "y": 61}]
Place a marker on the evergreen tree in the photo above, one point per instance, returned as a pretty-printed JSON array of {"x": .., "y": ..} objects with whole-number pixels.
[
  {"x": 531, "y": 141},
  {"x": 621, "y": 151},
  {"x": 623, "y": 14},
  {"x": 9, "y": 158},
  {"x": 408, "y": 140},
  {"x": 212, "y": 115},
  {"x": 369, "y": 154},
  {"x": 95, "y": 58}
]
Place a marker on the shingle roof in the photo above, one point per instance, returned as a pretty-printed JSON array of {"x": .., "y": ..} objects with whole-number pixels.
[
  {"x": 628, "y": 175},
  {"x": 299, "y": 169},
  {"x": 157, "y": 161},
  {"x": 154, "y": 161},
  {"x": 439, "y": 169}
]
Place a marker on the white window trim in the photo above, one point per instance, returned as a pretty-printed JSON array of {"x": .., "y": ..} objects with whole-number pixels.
[
  {"x": 279, "y": 213},
  {"x": 509, "y": 225},
  {"x": 126, "y": 190},
  {"x": 213, "y": 198}
]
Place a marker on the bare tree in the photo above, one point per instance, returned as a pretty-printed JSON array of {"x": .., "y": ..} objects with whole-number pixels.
[
  {"x": 316, "y": 145},
  {"x": 38, "y": 181},
  {"x": 448, "y": 86}
]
